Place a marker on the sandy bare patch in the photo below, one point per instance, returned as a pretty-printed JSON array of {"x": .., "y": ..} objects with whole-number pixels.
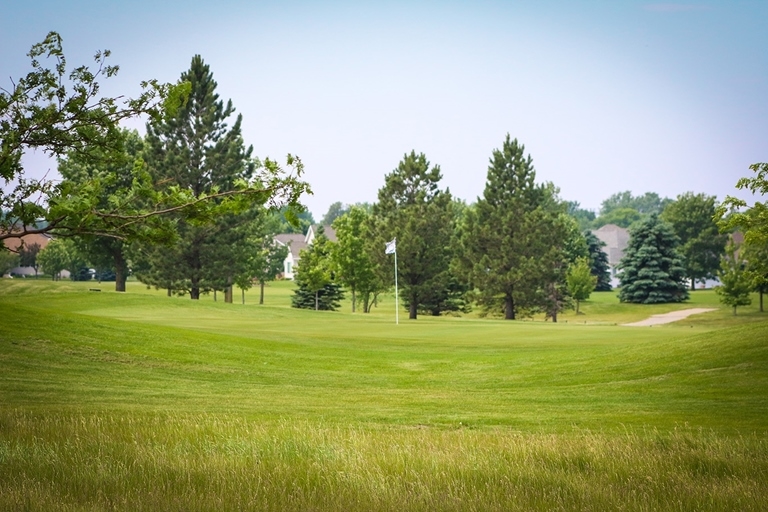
[{"x": 670, "y": 317}]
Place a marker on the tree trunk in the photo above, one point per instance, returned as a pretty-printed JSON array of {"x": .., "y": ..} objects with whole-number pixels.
[
  {"x": 734, "y": 310},
  {"x": 214, "y": 295},
  {"x": 693, "y": 284},
  {"x": 228, "y": 292},
  {"x": 761, "y": 301},
  {"x": 509, "y": 307},
  {"x": 577, "y": 306},
  {"x": 412, "y": 310},
  {"x": 261, "y": 292},
  {"x": 554, "y": 316},
  {"x": 317, "y": 301},
  {"x": 354, "y": 299},
  {"x": 194, "y": 292},
  {"x": 121, "y": 270},
  {"x": 242, "y": 290},
  {"x": 169, "y": 291}
]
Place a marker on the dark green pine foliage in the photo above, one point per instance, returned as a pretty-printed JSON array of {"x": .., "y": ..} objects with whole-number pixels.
[
  {"x": 420, "y": 215},
  {"x": 329, "y": 297},
  {"x": 598, "y": 260},
  {"x": 652, "y": 269},
  {"x": 514, "y": 238},
  {"x": 197, "y": 151}
]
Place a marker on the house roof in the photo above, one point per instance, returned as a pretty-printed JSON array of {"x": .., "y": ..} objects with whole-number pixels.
[
  {"x": 295, "y": 242},
  {"x": 327, "y": 231},
  {"x": 616, "y": 240},
  {"x": 14, "y": 244}
]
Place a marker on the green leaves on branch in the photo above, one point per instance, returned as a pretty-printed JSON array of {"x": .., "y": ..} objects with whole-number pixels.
[
  {"x": 61, "y": 112},
  {"x": 754, "y": 220}
]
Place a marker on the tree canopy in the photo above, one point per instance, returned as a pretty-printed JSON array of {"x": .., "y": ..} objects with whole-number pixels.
[
  {"x": 413, "y": 209},
  {"x": 734, "y": 213},
  {"x": 58, "y": 111},
  {"x": 652, "y": 269},
  {"x": 701, "y": 244}
]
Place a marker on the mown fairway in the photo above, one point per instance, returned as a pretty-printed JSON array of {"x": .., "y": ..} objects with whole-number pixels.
[{"x": 139, "y": 401}]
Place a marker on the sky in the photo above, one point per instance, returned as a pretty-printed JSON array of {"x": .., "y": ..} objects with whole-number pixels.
[{"x": 606, "y": 96}]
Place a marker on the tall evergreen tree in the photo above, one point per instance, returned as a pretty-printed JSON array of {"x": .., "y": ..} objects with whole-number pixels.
[
  {"x": 598, "y": 261},
  {"x": 413, "y": 209},
  {"x": 197, "y": 151},
  {"x": 652, "y": 270},
  {"x": 514, "y": 238}
]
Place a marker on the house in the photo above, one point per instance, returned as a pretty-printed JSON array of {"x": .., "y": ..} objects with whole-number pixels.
[
  {"x": 296, "y": 242},
  {"x": 15, "y": 244},
  {"x": 616, "y": 240}
]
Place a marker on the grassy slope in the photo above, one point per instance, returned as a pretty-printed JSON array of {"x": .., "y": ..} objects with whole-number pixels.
[
  {"x": 70, "y": 349},
  {"x": 140, "y": 402}
]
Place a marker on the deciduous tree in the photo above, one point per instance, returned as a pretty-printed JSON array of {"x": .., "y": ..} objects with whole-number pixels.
[
  {"x": 581, "y": 282},
  {"x": 734, "y": 213},
  {"x": 111, "y": 168},
  {"x": 56, "y": 256},
  {"x": 356, "y": 268},
  {"x": 701, "y": 244},
  {"x": 315, "y": 277},
  {"x": 735, "y": 285}
]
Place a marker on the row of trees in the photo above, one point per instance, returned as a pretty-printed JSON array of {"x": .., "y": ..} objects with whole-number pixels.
[
  {"x": 514, "y": 252},
  {"x": 517, "y": 250}
]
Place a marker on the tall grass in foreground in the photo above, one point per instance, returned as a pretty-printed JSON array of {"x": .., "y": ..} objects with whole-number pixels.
[{"x": 202, "y": 462}]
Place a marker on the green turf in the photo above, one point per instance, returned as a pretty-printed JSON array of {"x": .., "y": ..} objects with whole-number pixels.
[
  {"x": 70, "y": 348},
  {"x": 447, "y": 413}
]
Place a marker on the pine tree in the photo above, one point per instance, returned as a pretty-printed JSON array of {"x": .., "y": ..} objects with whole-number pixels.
[
  {"x": 413, "y": 209},
  {"x": 652, "y": 270},
  {"x": 598, "y": 261},
  {"x": 196, "y": 151},
  {"x": 515, "y": 238}
]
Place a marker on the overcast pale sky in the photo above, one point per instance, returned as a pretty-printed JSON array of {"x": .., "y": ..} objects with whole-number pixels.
[{"x": 606, "y": 95}]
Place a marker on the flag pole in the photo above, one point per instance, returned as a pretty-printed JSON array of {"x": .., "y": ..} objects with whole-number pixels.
[{"x": 397, "y": 307}]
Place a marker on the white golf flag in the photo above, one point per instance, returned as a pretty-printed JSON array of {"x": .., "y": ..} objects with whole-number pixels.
[{"x": 391, "y": 247}]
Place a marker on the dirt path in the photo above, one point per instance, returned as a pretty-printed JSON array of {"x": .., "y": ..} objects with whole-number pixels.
[{"x": 667, "y": 318}]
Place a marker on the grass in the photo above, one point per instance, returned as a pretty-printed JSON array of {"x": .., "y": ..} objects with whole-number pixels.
[{"x": 138, "y": 401}]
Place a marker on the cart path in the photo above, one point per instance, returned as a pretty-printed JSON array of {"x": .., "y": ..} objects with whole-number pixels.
[{"x": 670, "y": 317}]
